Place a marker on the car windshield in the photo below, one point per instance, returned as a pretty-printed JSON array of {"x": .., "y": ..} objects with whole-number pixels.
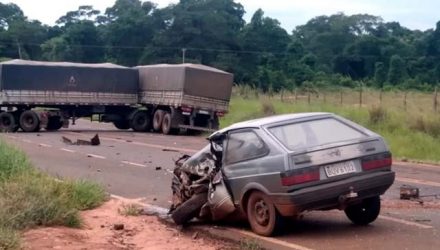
[{"x": 314, "y": 133}]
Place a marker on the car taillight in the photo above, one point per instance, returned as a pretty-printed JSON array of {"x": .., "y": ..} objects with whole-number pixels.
[
  {"x": 377, "y": 161},
  {"x": 221, "y": 113},
  {"x": 295, "y": 177}
]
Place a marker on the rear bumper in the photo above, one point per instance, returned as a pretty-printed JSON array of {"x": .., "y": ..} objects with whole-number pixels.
[{"x": 327, "y": 196}]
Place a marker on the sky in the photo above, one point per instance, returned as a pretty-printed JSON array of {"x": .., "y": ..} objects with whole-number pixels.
[{"x": 413, "y": 14}]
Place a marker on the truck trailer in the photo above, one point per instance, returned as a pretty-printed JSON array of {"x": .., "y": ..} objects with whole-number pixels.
[{"x": 165, "y": 98}]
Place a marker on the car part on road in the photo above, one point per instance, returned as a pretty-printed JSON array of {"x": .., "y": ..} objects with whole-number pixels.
[
  {"x": 95, "y": 141},
  {"x": 364, "y": 212},
  {"x": 408, "y": 192}
]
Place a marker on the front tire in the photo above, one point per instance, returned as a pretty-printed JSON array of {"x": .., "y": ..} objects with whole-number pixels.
[
  {"x": 189, "y": 209},
  {"x": 365, "y": 212},
  {"x": 262, "y": 214}
]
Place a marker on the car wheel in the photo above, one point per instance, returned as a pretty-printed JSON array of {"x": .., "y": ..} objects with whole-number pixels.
[
  {"x": 158, "y": 119},
  {"x": 7, "y": 122},
  {"x": 29, "y": 121},
  {"x": 189, "y": 209},
  {"x": 262, "y": 214},
  {"x": 365, "y": 212}
]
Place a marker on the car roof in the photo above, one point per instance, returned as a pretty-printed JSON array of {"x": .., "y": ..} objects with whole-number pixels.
[{"x": 257, "y": 123}]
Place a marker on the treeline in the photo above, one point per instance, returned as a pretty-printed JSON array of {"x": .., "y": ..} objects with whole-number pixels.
[{"x": 327, "y": 51}]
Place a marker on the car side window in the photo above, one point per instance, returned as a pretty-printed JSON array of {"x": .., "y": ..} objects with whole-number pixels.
[{"x": 244, "y": 146}]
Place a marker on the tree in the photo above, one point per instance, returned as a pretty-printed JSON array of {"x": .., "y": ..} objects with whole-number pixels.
[
  {"x": 397, "y": 71},
  {"x": 380, "y": 74}
]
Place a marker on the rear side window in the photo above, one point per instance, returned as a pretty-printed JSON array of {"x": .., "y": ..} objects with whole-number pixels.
[
  {"x": 244, "y": 146},
  {"x": 314, "y": 133}
]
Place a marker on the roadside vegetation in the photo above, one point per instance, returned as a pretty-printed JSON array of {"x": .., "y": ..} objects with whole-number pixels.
[
  {"x": 409, "y": 124},
  {"x": 30, "y": 198}
]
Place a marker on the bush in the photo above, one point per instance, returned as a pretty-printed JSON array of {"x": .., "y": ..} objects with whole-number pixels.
[
  {"x": 430, "y": 126},
  {"x": 377, "y": 114},
  {"x": 9, "y": 239}
]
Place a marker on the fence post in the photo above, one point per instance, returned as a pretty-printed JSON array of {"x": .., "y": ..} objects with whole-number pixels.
[
  {"x": 342, "y": 97},
  {"x": 435, "y": 99},
  {"x": 308, "y": 96},
  {"x": 404, "y": 100},
  {"x": 325, "y": 97},
  {"x": 380, "y": 96},
  {"x": 296, "y": 95},
  {"x": 360, "y": 96}
]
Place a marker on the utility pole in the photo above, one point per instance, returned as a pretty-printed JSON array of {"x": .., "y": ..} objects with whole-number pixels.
[{"x": 183, "y": 55}]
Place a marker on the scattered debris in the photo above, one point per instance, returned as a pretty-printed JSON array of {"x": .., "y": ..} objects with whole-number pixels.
[
  {"x": 98, "y": 170},
  {"x": 408, "y": 192},
  {"x": 118, "y": 227},
  {"x": 38, "y": 135},
  {"x": 95, "y": 141},
  {"x": 195, "y": 235},
  {"x": 170, "y": 150},
  {"x": 158, "y": 168}
]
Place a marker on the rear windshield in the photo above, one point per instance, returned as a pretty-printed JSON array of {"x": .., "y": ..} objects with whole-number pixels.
[{"x": 314, "y": 133}]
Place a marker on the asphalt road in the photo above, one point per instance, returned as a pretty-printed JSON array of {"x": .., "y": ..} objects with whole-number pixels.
[{"x": 138, "y": 165}]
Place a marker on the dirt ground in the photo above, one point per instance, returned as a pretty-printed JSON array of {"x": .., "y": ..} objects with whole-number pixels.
[{"x": 98, "y": 232}]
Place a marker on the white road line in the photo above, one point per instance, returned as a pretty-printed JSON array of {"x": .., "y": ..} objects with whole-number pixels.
[
  {"x": 417, "y": 181},
  {"x": 409, "y": 223},
  {"x": 134, "y": 164},
  {"x": 27, "y": 141},
  {"x": 45, "y": 145},
  {"x": 68, "y": 150},
  {"x": 272, "y": 240},
  {"x": 96, "y": 156}
]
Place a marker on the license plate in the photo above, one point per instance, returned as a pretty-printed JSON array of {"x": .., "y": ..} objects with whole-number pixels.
[
  {"x": 340, "y": 168},
  {"x": 203, "y": 112}
]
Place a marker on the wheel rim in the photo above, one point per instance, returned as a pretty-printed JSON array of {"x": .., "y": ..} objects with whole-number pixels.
[{"x": 262, "y": 213}]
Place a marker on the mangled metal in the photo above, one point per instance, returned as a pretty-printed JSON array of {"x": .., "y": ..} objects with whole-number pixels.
[{"x": 94, "y": 141}]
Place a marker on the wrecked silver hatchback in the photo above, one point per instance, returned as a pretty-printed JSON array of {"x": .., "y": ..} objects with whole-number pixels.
[{"x": 281, "y": 166}]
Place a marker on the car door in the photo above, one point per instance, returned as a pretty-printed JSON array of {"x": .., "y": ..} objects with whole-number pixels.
[{"x": 248, "y": 161}]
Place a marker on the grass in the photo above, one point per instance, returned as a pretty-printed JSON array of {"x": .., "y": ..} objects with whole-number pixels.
[
  {"x": 130, "y": 210},
  {"x": 409, "y": 124},
  {"x": 29, "y": 198}
]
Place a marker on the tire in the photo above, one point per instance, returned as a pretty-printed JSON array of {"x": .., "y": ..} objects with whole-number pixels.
[
  {"x": 140, "y": 121},
  {"x": 29, "y": 121},
  {"x": 189, "y": 209},
  {"x": 54, "y": 124},
  {"x": 7, "y": 122},
  {"x": 365, "y": 212},
  {"x": 122, "y": 124},
  {"x": 157, "y": 120},
  {"x": 262, "y": 215},
  {"x": 166, "y": 125}
]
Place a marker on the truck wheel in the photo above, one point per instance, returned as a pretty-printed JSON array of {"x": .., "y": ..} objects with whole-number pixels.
[
  {"x": 189, "y": 209},
  {"x": 54, "y": 124},
  {"x": 262, "y": 214},
  {"x": 7, "y": 122},
  {"x": 122, "y": 124},
  {"x": 365, "y": 212},
  {"x": 140, "y": 121},
  {"x": 158, "y": 119},
  {"x": 166, "y": 125},
  {"x": 29, "y": 121}
]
